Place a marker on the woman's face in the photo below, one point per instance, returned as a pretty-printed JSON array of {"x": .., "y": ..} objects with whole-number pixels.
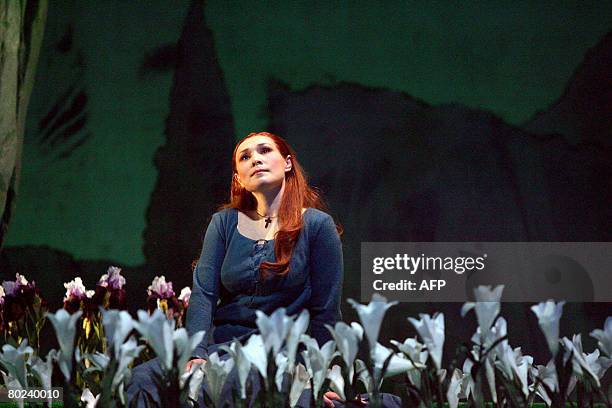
[{"x": 259, "y": 164}]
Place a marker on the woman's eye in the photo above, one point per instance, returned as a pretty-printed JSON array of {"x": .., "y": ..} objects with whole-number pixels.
[
  {"x": 266, "y": 149},
  {"x": 244, "y": 157}
]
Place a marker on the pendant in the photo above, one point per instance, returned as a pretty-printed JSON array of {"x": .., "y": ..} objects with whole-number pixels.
[{"x": 268, "y": 221}]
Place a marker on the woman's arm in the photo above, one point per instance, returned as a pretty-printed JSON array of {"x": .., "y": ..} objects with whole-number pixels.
[
  {"x": 206, "y": 281},
  {"x": 326, "y": 279}
]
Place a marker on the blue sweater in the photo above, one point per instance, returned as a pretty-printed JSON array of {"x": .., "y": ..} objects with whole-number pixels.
[{"x": 227, "y": 288}]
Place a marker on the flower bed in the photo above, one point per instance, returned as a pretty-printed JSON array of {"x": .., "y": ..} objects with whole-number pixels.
[{"x": 99, "y": 342}]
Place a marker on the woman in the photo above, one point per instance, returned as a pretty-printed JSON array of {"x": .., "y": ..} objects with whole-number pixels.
[{"x": 271, "y": 246}]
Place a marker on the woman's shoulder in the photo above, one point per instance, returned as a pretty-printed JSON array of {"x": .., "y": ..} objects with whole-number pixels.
[
  {"x": 314, "y": 216},
  {"x": 224, "y": 216},
  {"x": 320, "y": 227},
  {"x": 225, "y": 212}
]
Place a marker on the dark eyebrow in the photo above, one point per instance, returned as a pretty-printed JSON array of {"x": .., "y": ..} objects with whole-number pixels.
[{"x": 244, "y": 150}]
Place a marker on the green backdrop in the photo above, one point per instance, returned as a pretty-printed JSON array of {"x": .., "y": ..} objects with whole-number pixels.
[{"x": 513, "y": 58}]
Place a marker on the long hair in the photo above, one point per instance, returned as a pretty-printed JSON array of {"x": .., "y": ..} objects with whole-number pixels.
[{"x": 297, "y": 195}]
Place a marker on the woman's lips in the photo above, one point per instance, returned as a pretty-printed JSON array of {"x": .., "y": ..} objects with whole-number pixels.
[{"x": 258, "y": 171}]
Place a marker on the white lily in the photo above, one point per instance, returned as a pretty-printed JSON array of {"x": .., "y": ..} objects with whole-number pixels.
[
  {"x": 579, "y": 361},
  {"x": 185, "y": 344},
  {"x": 604, "y": 337},
  {"x": 158, "y": 331},
  {"x": 43, "y": 370},
  {"x": 12, "y": 383},
  {"x": 467, "y": 383},
  {"x": 489, "y": 370},
  {"x": 336, "y": 381},
  {"x": 454, "y": 388},
  {"x": 371, "y": 316},
  {"x": 317, "y": 360},
  {"x": 300, "y": 381},
  {"x": 281, "y": 361},
  {"x": 14, "y": 361},
  {"x": 273, "y": 328},
  {"x": 217, "y": 371},
  {"x": 506, "y": 360},
  {"x": 347, "y": 340},
  {"x": 65, "y": 330},
  {"x": 125, "y": 355},
  {"x": 547, "y": 375},
  {"x": 431, "y": 331},
  {"x": 242, "y": 363},
  {"x": 88, "y": 398},
  {"x": 417, "y": 352},
  {"x": 117, "y": 326},
  {"x": 549, "y": 314},
  {"x": 413, "y": 349},
  {"x": 364, "y": 376},
  {"x": 514, "y": 365},
  {"x": 522, "y": 372},
  {"x": 255, "y": 352},
  {"x": 487, "y": 306},
  {"x": 599, "y": 364},
  {"x": 490, "y": 374},
  {"x": 397, "y": 364},
  {"x": 498, "y": 331},
  {"x": 127, "y": 352},
  {"x": 195, "y": 375},
  {"x": 299, "y": 327},
  {"x": 100, "y": 360}
]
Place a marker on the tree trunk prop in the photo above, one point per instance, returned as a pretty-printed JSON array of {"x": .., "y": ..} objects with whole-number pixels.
[{"x": 21, "y": 33}]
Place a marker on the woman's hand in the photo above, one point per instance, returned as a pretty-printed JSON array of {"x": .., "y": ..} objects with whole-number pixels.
[
  {"x": 190, "y": 363},
  {"x": 329, "y": 397}
]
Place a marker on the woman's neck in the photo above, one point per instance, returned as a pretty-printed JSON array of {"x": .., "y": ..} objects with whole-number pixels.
[{"x": 268, "y": 202}]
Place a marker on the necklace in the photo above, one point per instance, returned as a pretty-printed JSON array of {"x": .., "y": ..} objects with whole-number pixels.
[{"x": 268, "y": 218}]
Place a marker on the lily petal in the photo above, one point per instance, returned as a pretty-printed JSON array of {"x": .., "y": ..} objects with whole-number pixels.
[{"x": 431, "y": 330}]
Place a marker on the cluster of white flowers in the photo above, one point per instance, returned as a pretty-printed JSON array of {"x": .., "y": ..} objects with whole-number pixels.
[{"x": 272, "y": 353}]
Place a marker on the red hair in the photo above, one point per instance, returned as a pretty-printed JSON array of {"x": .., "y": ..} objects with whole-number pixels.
[{"x": 297, "y": 195}]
